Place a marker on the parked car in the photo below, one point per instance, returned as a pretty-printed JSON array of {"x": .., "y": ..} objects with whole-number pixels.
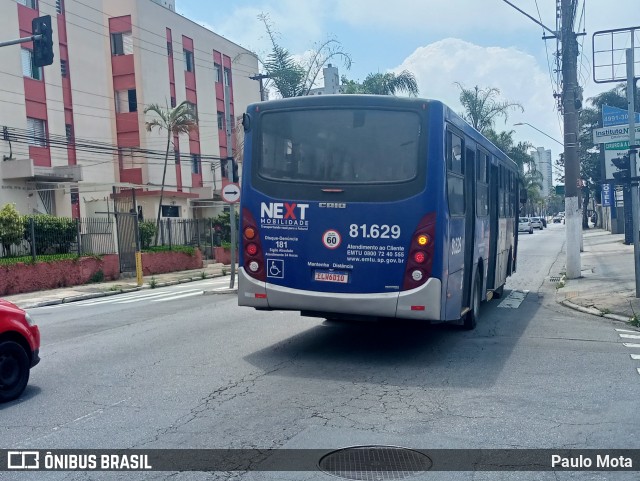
[
  {"x": 524, "y": 225},
  {"x": 557, "y": 220},
  {"x": 536, "y": 223},
  {"x": 19, "y": 350}
]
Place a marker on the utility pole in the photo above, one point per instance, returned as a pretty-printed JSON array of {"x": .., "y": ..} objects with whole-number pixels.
[
  {"x": 260, "y": 77},
  {"x": 635, "y": 200},
  {"x": 232, "y": 207},
  {"x": 570, "y": 96}
]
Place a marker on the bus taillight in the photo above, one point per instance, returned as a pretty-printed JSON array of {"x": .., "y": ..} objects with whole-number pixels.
[
  {"x": 249, "y": 233},
  {"x": 421, "y": 252},
  {"x": 253, "y": 258}
]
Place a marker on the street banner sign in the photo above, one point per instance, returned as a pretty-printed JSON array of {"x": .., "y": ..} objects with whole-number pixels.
[
  {"x": 231, "y": 193},
  {"x": 614, "y": 133},
  {"x": 615, "y": 117}
]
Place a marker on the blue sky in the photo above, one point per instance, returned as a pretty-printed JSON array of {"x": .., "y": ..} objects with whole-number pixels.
[{"x": 474, "y": 42}]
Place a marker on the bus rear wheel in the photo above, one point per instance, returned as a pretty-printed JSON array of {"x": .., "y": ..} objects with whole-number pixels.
[{"x": 471, "y": 318}]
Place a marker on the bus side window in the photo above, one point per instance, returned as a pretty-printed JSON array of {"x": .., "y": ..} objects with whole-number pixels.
[{"x": 455, "y": 174}]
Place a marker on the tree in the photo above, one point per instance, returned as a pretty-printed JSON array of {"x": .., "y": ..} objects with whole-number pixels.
[
  {"x": 383, "y": 84},
  {"x": 293, "y": 78},
  {"x": 177, "y": 120},
  {"x": 589, "y": 154},
  {"x": 11, "y": 228},
  {"x": 518, "y": 152},
  {"x": 482, "y": 108}
]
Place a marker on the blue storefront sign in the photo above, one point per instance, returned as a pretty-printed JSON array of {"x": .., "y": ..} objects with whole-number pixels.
[{"x": 607, "y": 195}]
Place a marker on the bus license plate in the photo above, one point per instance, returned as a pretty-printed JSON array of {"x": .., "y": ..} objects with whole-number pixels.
[{"x": 328, "y": 276}]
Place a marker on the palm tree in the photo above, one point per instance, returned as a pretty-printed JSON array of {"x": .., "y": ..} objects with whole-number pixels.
[
  {"x": 293, "y": 78},
  {"x": 178, "y": 120},
  {"x": 481, "y": 107},
  {"x": 384, "y": 84}
]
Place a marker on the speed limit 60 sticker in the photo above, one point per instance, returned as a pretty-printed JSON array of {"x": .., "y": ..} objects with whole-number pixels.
[{"x": 331, "y": 239}]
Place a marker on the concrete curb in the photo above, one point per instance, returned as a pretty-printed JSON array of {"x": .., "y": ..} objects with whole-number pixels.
[
  {"x": 94, "y": 295},
  {"x": 223, "y": 291},
  {"x": 594, "y": 311}
]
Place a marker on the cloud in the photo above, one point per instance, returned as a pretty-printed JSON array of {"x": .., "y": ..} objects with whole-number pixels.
[{"x": 516, "y": 74}]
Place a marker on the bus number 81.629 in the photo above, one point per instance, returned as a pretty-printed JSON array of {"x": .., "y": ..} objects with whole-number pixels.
[{"x": 375, "y": 231}]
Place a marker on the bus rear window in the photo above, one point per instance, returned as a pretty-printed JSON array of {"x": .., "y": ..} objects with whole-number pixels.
[{"x": 351, "y": 146}]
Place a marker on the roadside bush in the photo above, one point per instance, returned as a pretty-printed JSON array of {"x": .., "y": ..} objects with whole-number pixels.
[
  {"x": 147, "y": 233},
  {"x": 10, "y": 227},
  {"x": 53, "y": 235}
]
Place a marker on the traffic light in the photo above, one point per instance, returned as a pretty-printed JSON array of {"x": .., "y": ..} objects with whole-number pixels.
[
  {"x": 624, "y": 168},
  {"x": 42, "y": 47},
  {"x": 224, "y": 170}
]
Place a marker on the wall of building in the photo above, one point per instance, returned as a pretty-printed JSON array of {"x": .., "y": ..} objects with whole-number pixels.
[{"x": 89, "y": 102}]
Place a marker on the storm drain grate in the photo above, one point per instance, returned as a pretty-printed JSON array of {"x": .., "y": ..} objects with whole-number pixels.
[{"x": 375, "y": 463}]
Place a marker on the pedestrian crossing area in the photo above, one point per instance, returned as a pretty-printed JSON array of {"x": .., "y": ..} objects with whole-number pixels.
[
  {"x": 134, "y": 297},
  {"x": 631, "y": 339},
  {"x": 514, "y": 299}
]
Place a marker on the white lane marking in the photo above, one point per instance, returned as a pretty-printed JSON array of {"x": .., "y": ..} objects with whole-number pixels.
[
  {"x": 164, "y": 299},
  {"x": 635, "y": 357},
  {"x": 638, "y": 368},
  {"x": 629, "y": 336},
  {"x": 627, "y": 330},
  {"x": 514, "y": 299},
  {"x": 151, "y": 296},
  {"x": 629, "y": 344}
]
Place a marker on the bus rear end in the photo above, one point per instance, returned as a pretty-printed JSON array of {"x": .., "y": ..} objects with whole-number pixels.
[{"x": 337, "y": 217}]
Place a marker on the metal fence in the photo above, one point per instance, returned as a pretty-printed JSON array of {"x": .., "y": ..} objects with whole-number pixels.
[
  {"x": 47, "y": 235},
  {"x": 187, "y": 232}
]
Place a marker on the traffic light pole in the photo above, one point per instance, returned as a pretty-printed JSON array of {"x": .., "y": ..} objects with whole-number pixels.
[
  {"x": 20, "y": 40},
  {"x": 635, "y": 200}
]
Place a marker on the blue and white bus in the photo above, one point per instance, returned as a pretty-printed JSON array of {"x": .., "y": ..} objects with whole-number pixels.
[{"x": 357, "y": 206}]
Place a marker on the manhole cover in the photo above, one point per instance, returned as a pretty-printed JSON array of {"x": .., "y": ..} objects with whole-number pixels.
[{"x": 375, "y": 463}]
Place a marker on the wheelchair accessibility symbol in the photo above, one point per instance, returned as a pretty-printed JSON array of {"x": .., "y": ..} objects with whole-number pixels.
[{"x": 275, "y": 268}]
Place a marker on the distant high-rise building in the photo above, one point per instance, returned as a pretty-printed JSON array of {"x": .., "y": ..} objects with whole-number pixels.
[
  {"x": 331, "y": 82},
  {"x": 542, "y": 159}
]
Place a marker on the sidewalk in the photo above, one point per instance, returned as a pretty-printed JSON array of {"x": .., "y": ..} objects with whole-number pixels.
[
  {"x": 103, "y": 289},
  {"x": 607, "y": 287}
]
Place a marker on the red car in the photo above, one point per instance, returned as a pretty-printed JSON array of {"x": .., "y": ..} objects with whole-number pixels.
[{"x": 19, "y": 349}]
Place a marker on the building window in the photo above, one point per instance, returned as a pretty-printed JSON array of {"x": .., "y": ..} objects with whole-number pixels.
[
  {"x": 121, "y": 43},
  {"x": 173, "y": 102},
  {"x": 126, "y": 101},
  {"x": 195, "y": 163},
  {"x": 60, "y": 6},
  {"x": 176, "y": 156},
  {"x": 169, "y": 49},
  {"x": 68, "y": 130},
  {"x": 220, "y": 120},
  {"x": 37, "y": 132},
  {"x": 28, "y": 69},
  {"x": 29, "y": 3},
  {"x": 64, "y": 69},
  {"x": 216, "y": 72},
  {"x": 188, "y": 61},
  {"x": 170, "y": 211},
  {"x": 227, "y": 77}
]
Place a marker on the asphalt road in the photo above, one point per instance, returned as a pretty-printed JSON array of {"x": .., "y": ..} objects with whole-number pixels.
[{"x": 180, "y": 369}]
